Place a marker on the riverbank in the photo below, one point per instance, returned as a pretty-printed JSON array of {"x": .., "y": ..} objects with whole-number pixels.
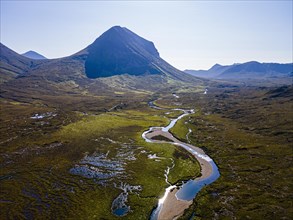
[
  {"x": 173, "y": 206},
  {"x": 177, "y": 200}
]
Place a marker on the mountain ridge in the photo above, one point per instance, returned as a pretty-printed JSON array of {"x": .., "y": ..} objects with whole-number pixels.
[
  {"x": 13, "y": 64},
  {"x": 251, "y": 69}
]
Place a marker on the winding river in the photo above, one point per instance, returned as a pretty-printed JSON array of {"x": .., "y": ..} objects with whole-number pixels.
[{"x": 175, "y": 200}]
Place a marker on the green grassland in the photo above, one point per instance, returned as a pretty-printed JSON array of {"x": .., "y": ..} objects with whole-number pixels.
[
  {"x": 35, "y": 178},
  {"x": 247, "y": 130}
]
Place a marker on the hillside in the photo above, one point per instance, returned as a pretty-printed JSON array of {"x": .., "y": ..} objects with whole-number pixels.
[{"x": 13, "y": 64}]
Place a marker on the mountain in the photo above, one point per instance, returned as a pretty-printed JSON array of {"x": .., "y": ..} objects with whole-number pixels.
[
  {"x": 33, "y": 55},
  {"x": 249, "y": 70},
  {"x": 119, "y": 61},
  {"x": 213, "y": 72},
  {"x": 255, "y": 69},
  {"x": 13, "y": 64},
  {"x": 120, "y": 51}
]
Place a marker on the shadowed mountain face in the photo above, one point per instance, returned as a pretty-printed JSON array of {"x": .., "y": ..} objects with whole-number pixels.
[
  {"x": 119, "y": 51},
  {"x": 33, "y": 55}
]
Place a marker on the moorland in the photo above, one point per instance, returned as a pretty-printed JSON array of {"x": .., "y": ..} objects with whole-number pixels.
[{"x": 71, "y": 144}]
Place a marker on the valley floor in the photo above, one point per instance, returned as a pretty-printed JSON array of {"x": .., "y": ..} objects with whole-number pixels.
[{"x": 73, "y": 162}]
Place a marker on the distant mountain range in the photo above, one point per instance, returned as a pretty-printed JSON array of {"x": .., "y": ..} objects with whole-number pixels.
[
  {"x": 33, "y": 55},
  {"x": 249, "y": 70}
]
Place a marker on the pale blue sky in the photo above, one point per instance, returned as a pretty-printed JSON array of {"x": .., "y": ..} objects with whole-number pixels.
[{"x": 188, "y": 34}]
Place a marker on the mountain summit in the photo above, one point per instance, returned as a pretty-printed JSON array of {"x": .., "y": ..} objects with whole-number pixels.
[
  {"x": 119, "y": 51},
  {"x": 33, "y": 55}
]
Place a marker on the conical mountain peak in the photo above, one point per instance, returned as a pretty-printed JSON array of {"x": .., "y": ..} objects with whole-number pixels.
[
  {"x": 120, "y": 51},
  {"x": 33, "y": 55},
  {"x": 116, "y": 28}
]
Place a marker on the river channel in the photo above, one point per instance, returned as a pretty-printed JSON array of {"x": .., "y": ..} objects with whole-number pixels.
[{"x": 181, "y": 198}]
